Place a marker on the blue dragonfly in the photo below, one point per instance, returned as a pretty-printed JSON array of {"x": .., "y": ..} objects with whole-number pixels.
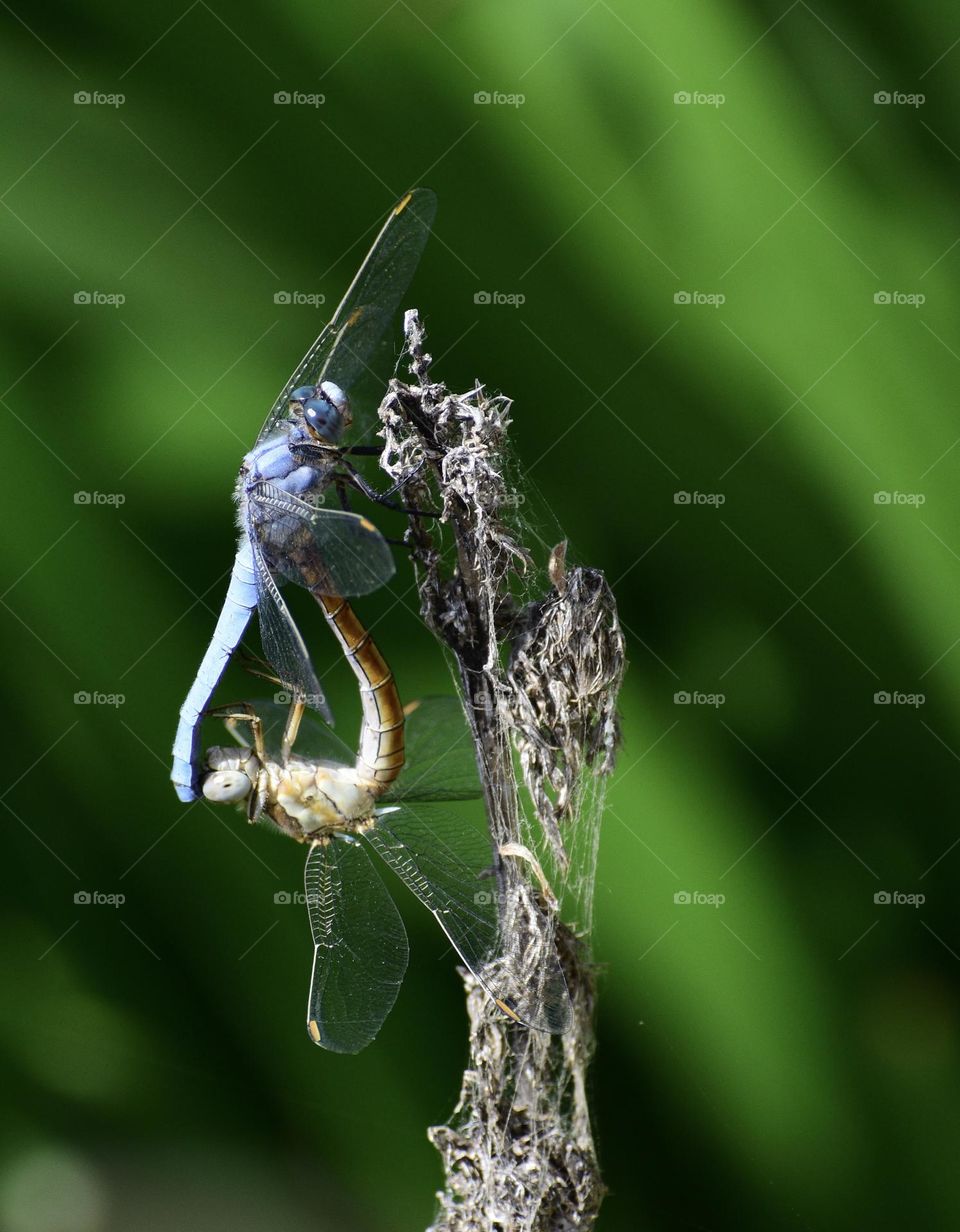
[{"x": 285, "y": 532}]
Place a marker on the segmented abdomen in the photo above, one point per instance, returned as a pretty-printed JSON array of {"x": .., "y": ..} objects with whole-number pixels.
[{"x": 380, "y": 756}]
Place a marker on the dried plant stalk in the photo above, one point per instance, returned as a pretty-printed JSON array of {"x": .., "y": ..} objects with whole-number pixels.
[{"x": 538, "y": 676}]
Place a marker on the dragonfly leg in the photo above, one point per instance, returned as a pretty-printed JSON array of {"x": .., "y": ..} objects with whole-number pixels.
[
  {"x": 233, "y": 716},
  {"x": 357, "y": 481},
  {"x": 309, "y": 451},
  {"x": 242, "y": 713},
  {"x": 294, "y": 715},
  {"x": 258, "y": 667},
  {"x": 342, "y": 494}
]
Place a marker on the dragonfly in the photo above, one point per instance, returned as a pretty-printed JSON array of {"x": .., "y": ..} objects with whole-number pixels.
[
  {"x": 285, "y": 532},
  {"x": 288, "y": 769}
]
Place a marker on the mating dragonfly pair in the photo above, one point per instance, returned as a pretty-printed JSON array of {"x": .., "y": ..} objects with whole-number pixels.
[{"x": 287, "y": 768}]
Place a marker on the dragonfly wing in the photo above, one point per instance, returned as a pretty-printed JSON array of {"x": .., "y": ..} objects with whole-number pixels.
[
  {"x": 283, "y": 644},
  {"x": 443, "y": 860},
  {"x": 329, "y": 550},
  {"x": 341, "y": 351},
  {"x": 359, "y": 947},
  {"x": 440, "y": 761},
  {"x": 314, "y": 739}
]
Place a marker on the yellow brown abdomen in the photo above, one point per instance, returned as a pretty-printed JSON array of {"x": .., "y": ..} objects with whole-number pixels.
[{"x": 381, "y": 752}]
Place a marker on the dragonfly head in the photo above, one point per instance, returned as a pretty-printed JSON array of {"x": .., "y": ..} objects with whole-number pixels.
[
  {"x": 326, "y": 410},
  {"x": 231, "y": 775}
]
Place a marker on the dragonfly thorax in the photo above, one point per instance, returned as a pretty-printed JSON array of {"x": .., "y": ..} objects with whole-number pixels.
[{"x": 317, "y": 797}]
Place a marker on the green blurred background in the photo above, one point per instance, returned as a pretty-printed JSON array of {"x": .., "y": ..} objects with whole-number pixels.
[{"x": 785, "y": 1059}]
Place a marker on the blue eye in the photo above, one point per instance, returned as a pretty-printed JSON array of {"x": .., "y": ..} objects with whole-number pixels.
[
  {"x": 303, "y": 393},
  {"x": 323, "y": 418}
]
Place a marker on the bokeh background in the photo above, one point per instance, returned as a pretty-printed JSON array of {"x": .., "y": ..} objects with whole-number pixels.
[{"x": 735, "y": 365}]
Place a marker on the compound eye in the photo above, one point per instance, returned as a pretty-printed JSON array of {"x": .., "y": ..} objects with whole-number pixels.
[
  {"x": 335, "y": 394},
  {"x": 323, "y": 418},
  {"x": 303, "y": 393},
  {"x": 226, "y": 786}
]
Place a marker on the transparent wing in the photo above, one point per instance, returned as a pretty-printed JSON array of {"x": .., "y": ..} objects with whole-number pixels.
[
  {"x": 314, "y": 739},
  {"x": 283, "y": 644},
  {"x": 344, "y": 346},
  {"x": 443, "y": 860},
  {"x": 440, "y": 762},
  {"x": 359, "y": 947},
  {"x": 326, "y": 550}
]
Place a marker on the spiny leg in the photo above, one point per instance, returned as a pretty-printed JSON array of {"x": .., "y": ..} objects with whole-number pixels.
[
  {"x": 356, "y": 480},
  {"x": 294, "y": 715},
  {"x": 382, "y": 498},
  {"x": 312, "y": 450},
  {"x": 242, "y": 712},
  {"x": 258, "y": 667}
]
